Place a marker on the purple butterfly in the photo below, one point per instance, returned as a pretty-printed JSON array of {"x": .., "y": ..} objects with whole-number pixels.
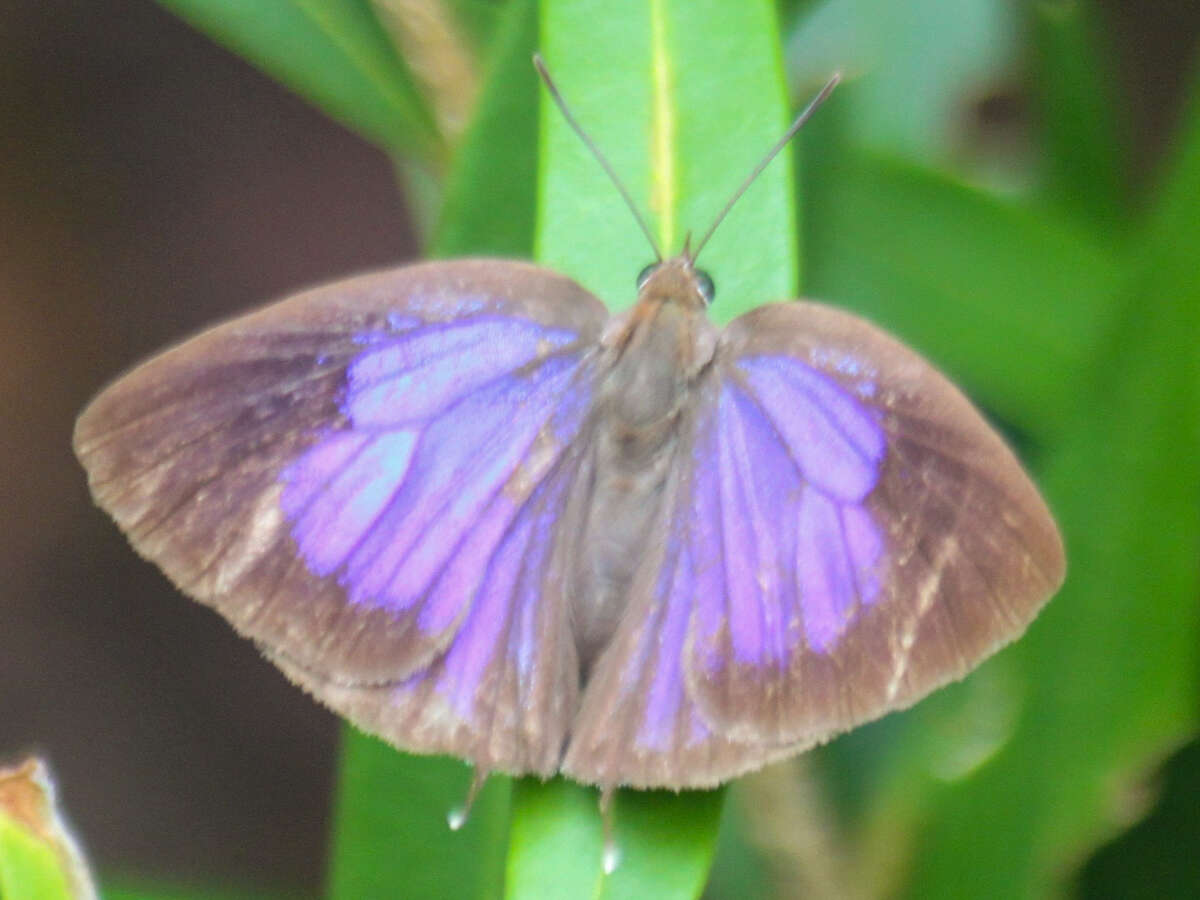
[{"x": 470, "y": 511}]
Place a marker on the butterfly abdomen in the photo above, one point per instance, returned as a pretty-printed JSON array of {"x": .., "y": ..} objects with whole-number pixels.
[{"x": 644, "y": 398}]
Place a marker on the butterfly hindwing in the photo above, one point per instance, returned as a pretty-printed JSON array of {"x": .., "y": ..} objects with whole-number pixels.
[
  {"x": 843, "y": 534},
  {"x": 283, "y": 469},
  {"x": 638, "y": 723},
  {"x": 503, "y": 693}
]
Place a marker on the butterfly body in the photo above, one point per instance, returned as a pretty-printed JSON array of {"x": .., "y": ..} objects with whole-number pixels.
[
  {"x": 470, "y": 511},
  {"x": 648, "y": 365}
]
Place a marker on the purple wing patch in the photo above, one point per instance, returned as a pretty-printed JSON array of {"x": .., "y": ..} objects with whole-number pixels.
[
  {"x": 836, "y": 444},
  {"x": 415, "y": 376},
  {"x": 838, "y": 549},
  {"x": 502, "y": 692},
  {"x": 770, "y": 554},
  {"x": 450, "y": 428},
  {"x": 503, "y": 619},
  {"x": 790, "y": 553},
  {"x": 664, "y": 641}
]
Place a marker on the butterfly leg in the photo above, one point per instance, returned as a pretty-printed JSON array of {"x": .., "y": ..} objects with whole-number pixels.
[
  {"x": 458, "y": 816},
  {"x": 612, "y": 853}
]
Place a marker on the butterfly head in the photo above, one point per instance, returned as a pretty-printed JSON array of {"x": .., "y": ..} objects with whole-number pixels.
[{"x": 676, "y": 280}]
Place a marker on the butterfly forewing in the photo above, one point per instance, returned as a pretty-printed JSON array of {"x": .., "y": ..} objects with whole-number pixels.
[
  {"x": 336, "y": 472},
  {"x": 904, "y": 586},
  {"x": 843, "y": 534}
]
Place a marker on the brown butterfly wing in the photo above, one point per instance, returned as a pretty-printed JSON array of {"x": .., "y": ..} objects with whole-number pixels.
[
  {"x": 845, "y": 534},
  {"x": 504, "y": 691},
  {"x": 638, "y": 724},
  {"x": 192, "y": 451}
]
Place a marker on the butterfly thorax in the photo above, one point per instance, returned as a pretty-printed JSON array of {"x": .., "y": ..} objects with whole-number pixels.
[
  {"x": 653, "y": 354},
  {"x": 650, "y": 365}
]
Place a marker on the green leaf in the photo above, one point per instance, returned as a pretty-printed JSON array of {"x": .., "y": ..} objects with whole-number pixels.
[
  {"x": 391, "y": 837},
  {"x": 1075, "y": 96},
  {"x": 1157, "y": 857},
  {"x": 665, "y": 842},
  {"x": 39, "y": 856},
  {"x": 335, "y": 54},
  {"x": 490, "y": 194},
  {"x": 1109, "y": 672},
  {"x": 556, "y": 841},
  {"x": 479, "y": 19},
  {"x": 684, "y": 99},
  {"x": 949, "y": 268},
  {"x": 30, "y": 866}
]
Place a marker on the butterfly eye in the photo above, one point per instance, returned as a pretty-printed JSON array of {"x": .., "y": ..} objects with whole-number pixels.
[
  {"x": 644, "y": 275},
  {"x": 704, "y": 283}
]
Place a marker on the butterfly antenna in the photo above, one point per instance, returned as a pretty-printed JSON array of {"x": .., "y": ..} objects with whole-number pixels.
[
  {"x": 766, "y": 160},
  {"x": 591, "y": 145}
]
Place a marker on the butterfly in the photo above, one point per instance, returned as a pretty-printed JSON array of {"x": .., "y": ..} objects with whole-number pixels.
[{"x": 469, "y": 510}]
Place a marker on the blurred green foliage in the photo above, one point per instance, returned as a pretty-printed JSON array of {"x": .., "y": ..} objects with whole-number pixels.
[
  {"x": 1028, "y": 272},
  {"x": 40, "y": 858},
  {"x": 29, "y": 864}
]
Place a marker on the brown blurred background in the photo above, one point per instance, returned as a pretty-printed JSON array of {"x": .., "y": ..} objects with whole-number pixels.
[{"x": 151, "y": 183}]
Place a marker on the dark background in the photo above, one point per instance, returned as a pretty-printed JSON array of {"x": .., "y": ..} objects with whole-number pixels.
[{"x": 151, "y": 183}]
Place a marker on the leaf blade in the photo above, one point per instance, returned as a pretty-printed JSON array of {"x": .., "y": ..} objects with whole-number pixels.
[
  {"x": 701, "y": 98},
  {"x": 336, "y": 55},
  {"x": 1117, "y": 655},
  {"x": 931, "y": 258}
]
